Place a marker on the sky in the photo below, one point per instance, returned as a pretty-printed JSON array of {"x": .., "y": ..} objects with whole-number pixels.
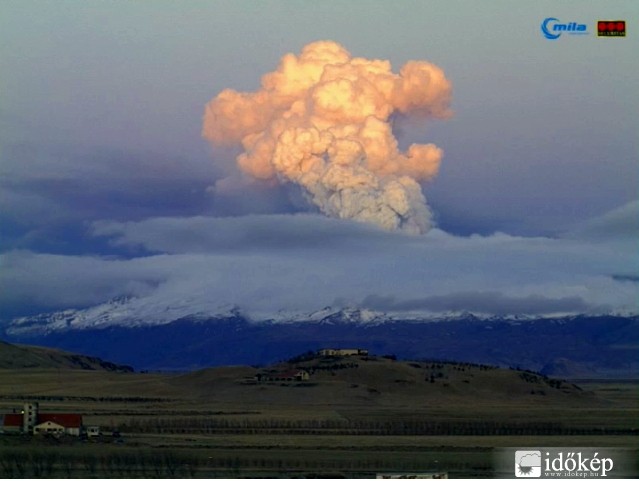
[{"x": 107, "y": 187}]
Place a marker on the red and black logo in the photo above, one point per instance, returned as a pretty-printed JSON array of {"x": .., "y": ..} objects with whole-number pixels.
[{"x": 611, "y": 28}]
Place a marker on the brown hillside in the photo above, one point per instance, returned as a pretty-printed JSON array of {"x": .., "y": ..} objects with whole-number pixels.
[
  {"x": 15, "y": 356},
  {"x": 364, "y": 380}
]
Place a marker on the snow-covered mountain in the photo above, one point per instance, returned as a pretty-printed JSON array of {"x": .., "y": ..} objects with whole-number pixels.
[
  {"x": 133, "y": 312},
  {"x": 120, "y": 311},
  {"x": 128, "y": 331}
]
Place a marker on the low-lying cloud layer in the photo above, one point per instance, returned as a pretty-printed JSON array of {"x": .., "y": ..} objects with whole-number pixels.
[
  {"x": 483, "y": 302},
  {"x": 302, "y": 263}
]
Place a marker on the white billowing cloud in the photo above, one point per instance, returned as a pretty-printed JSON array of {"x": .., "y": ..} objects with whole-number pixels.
[
  {"x": 322, "y": 121},
  {"x": 302, "y": 263}
]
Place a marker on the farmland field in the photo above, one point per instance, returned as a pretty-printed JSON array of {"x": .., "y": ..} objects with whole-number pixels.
[{"x": 168, "y": 425}]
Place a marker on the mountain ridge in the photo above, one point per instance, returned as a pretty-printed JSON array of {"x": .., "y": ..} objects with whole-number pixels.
[
  {"x": 586, "y": 346},
  {"x": 133, "y": 312}
]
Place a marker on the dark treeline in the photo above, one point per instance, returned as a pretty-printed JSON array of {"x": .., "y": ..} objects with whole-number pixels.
[
  {"x": 361, "y": 427},
  {"x": 331, "y": 367},
  {"x": 440, "y": 363},
  {"x": 128, "y": 399},
  {"x": 47, "y": 463}
]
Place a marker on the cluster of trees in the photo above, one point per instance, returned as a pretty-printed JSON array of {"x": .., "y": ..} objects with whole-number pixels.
[
  {"x": 441, "y": 363},
  {"x": 537, "y": 378},
  {"x": 554, "y": 383},
  {"x": 528, "y": 377},
  {"x": 457, "y": 366},
  {"x": 331, "y": 367},
  {"x": 85, "y": 363},
  {"x": 435, "y": 375},
  {"x": 21, "y": 464},
  {"x": 48, "y": 463}
]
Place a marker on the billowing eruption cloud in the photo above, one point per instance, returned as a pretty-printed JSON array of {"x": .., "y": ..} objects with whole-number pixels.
[{"x": 322, "y": 120}]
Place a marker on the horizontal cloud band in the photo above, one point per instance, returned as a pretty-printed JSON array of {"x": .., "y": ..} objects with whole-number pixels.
[{"x": 302, "y": 263}]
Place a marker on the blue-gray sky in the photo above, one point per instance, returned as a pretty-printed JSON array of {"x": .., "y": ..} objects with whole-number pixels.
[{"x": 101, "y": 108}]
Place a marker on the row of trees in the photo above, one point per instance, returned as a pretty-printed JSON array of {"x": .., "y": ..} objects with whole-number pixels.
[
  {"x": 535, "y": 378},
  {"x": 331, "y": 367},
  {"x": 358, "y": 427},
  {"x": 47, "y": 463},
  {"x": 457, "y": 365},
  {"x": 128, "y": 399}
]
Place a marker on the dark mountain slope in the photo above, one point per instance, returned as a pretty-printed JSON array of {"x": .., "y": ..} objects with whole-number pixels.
[{"x": 601, "y": 346}]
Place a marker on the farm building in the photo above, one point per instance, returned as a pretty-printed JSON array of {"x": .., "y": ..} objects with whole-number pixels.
[
  {"x": 291, "y": 375},
  {"x": 342, "y": 352},
  {"x": 58, "y": 424},
  {"x": 32, "y": 421},
  {"x": 12, "y": 423}
]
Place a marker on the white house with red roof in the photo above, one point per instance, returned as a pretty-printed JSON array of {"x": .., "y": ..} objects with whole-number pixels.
[
  {"x": 58, "y": 423},
  {"x": 32, "y": 421}
]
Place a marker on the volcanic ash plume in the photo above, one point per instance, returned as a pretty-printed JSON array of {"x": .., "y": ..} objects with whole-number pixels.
[{"x": 322, "y": 120}]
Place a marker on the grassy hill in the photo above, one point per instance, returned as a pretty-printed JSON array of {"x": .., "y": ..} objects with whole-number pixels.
[
  {"x": 380, "y": 381},
  {"x": 15, "y": 356},
  {"x": 366, "y": 381}
]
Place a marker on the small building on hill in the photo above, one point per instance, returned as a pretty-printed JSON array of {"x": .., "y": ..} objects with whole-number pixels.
[
  {"x": 343, "y": 352},
  {"x": 32, "y": 421}
]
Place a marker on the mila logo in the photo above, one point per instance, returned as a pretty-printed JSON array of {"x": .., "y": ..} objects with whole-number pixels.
[{"x": 552, "y": 28}]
